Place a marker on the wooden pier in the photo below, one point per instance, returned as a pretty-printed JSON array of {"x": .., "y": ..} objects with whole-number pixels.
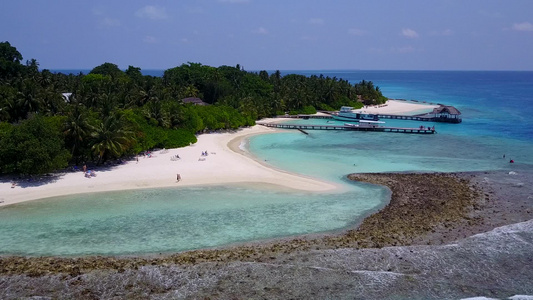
[
  {"x": 421, "y": 117},
  {"x": 424, "y": 118},
  {"x": 301, "y": 127},
  {"x": 405, "y": 117}
]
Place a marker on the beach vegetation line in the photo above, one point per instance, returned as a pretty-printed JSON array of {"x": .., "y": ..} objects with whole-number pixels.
[{"x": 112, "y": 113}]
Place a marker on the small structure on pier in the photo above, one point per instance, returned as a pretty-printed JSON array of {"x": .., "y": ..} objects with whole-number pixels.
[{"x": 446, "y": 113}]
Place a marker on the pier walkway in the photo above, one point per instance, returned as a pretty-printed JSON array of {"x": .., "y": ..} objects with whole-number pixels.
[
  {"x": 446, "y": 114},
  {"x": 424, "y": 117},
  {"x": 301, "y": 127}
]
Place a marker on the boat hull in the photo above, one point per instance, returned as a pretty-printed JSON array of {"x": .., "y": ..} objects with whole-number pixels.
[{"x": 354, "y": 118}]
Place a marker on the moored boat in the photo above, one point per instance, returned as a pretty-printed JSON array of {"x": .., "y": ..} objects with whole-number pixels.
[
  {"x": 365, "y": 124},
  {"x": 346, "y": 113}
]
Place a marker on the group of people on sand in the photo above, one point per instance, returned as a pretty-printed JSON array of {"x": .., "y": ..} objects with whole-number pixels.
[
  {"x": 88, "y": 173},
  {"x": 146, "y": 154},
  {"x": 204, "y": 153}
]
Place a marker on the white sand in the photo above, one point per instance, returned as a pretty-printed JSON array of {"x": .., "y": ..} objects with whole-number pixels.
[
  {"x": 222, "y": 166},
  {"x": 398, "y": 107},
  {"x": 227, "y": 163}
]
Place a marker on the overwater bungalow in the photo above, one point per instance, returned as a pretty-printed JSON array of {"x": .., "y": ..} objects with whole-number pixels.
[{"x": 446, "y": 113}]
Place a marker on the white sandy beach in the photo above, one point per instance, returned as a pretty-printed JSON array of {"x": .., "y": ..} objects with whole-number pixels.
[
  {"x": 222, "y": 166},
  {"x": 398, "y": 107},
  {"x": 227, "y": 163}
]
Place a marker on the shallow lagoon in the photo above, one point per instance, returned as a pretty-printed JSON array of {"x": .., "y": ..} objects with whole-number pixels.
[
  {"x": 170, "y": 220},
  {"x": 496, "y": 107}
]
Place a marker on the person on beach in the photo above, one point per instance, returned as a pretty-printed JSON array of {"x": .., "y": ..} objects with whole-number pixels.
[{"x": 178, "y": 177}]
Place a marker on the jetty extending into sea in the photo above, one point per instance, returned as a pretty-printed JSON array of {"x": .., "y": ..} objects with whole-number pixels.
[
  {"x": 376, "y": 128},
  {"x": 443, "y": 113}
]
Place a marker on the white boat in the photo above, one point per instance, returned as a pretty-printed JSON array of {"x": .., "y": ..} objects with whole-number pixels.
[
  {"x": 365, "y": 124},
  {"x": 346, "y": 113}
]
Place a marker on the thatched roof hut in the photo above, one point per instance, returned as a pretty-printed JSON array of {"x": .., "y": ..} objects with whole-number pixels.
[
  {"x": 444, "y": 109},
  {"x": 446, "y": 113}
]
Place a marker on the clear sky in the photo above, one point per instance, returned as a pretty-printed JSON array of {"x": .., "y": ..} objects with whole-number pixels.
[{"x": 273, "y": 34}]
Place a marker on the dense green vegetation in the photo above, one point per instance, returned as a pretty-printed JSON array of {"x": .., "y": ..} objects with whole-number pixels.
[{"x": 48, "y": 121}]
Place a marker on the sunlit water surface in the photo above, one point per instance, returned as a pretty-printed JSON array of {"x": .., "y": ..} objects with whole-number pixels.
[
  {"x": 172, "y": 219},
  {"x": 496, "y": 108}
]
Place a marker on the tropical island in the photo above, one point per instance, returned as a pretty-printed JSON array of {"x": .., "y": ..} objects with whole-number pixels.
[
  {"x": 110, "y": 114},
  {"x": 434, "y": 224}
]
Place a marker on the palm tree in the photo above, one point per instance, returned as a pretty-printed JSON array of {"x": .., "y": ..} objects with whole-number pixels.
[
  {"x": 110, "y": 138},
  {"x": 27, "y": 97},
  {"x": 156, "y": 111},
  {"x": 77, "y": 130},
  {"x": 53, "y": 102},
  {"x": 9, "y": 108},
  {"x": 106, "y": 103},
  {"x": 191, "y": 91}
]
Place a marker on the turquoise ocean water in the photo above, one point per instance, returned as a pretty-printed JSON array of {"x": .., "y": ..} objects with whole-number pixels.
[{"x": 496, "y": 107}]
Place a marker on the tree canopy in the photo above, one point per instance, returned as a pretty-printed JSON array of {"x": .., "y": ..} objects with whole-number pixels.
[
  {"x": 110, "y": 113},
  {"x": 35, "y": 146},
  {"x": 10, "y": 60}
]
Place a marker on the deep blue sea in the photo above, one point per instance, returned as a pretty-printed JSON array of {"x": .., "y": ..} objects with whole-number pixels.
[{"x": 496, "y": 108}]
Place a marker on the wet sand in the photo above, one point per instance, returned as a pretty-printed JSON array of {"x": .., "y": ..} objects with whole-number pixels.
[{"x": 429, "y": 216}]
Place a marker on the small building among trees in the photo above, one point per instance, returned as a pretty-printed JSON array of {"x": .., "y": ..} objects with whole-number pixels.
[
  {"x": 193, "y": 100},
  {"x": 66, "y": 97}
]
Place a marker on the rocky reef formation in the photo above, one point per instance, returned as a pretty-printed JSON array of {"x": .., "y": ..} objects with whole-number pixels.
[{"x": 427, "y": 210}]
